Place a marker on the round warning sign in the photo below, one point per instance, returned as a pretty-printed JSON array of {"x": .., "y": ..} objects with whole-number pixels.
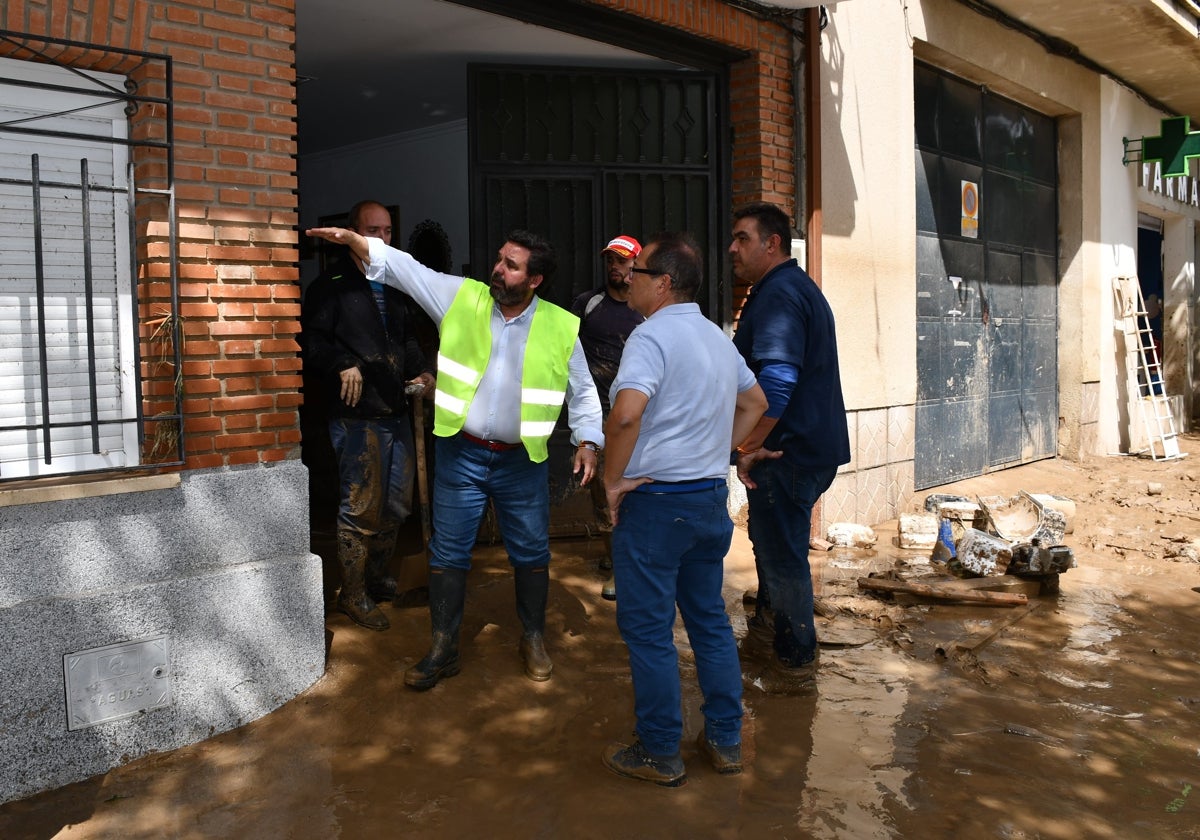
[{"x": 970, "y": 209}]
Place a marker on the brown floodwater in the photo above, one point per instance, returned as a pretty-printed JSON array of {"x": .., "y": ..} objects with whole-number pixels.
[{"x": 1079, "y": 718}]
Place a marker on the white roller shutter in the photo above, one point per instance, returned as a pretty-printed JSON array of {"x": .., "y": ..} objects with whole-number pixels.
[{"x": 77, "y": 397}]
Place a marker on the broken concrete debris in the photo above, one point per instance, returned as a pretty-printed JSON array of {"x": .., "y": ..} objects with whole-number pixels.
[
  {"x": 982, "y": 554},
  {"x": 851, "y": 534},
  {"x": 918, "y": 530},
  {"x": 992, "y": 537}
]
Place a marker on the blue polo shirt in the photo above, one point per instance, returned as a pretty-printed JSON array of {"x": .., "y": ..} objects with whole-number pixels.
[
  {"x": 692, "y": 374},
  {"x": 787, "y": 319}
]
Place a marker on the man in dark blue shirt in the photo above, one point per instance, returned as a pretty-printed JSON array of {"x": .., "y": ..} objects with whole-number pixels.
[{"x": 786, "y": 335}]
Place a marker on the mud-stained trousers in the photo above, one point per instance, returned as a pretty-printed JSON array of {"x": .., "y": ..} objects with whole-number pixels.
[{"x": 375, "y": 475}]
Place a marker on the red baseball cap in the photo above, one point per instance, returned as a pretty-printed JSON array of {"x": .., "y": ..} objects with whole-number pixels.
[{"x": 624, "y": 246}]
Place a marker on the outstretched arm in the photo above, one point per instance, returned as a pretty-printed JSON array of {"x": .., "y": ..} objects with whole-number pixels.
[{"x": 342, "y": 236}]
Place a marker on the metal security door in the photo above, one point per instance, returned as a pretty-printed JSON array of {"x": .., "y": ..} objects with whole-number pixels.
[
  {"x": 987, "y": 297},
  {"x": 578, "y": 156}
]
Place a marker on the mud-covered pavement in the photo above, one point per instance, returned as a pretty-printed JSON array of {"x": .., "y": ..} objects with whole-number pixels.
[{"x": 1079, "y": 720}]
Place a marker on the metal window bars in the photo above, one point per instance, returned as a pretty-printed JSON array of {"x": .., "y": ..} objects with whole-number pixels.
[{"x": 150, "y": 195}]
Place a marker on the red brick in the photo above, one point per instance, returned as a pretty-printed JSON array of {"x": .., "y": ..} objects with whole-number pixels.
[
  {"x": 252, "y": 403},
  {"x": 279, "y": 345},
  {"x": 240, "y": 422},
  {"x": 198, "y": 368},
  {"x": 231, "y": 366},
  {"x": 237, "y": 309},
  {"x": 196, "y": 425},
  {"x": 243, "y": 439},
  {"x": 280, "y": 383},
  {"x": 277, "y": 310},
  {"x": 244, "y": 291}
]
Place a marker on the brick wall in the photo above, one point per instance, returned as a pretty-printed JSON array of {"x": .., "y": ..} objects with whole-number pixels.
[{"x": 235, "y": 180}]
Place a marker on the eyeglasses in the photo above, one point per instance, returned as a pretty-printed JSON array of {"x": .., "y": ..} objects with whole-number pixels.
[{"x": 650, "y": 271}]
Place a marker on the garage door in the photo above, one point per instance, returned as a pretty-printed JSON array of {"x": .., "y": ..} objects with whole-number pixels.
[{"x": 987, "y": 297}]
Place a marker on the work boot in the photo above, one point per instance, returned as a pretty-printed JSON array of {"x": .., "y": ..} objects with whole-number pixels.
[
  {"x": 381, "y": 584},
  {"x": 635, "y": 763},
  {"x": 447, "y": 595},
  {"x": 725, "y": 760},
  {"x": 758, "y": 645},
  {"x": 353, "y": 599},
  {"x": 532, "y": 589}
]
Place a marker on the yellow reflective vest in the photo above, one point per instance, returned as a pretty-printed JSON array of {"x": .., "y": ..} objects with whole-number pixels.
[{"x": 466, "y": 347}]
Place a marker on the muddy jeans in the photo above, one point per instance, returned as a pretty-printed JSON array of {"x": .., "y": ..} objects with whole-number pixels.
[
  {"x": 668, "y": 549},
  {"x": 375, "y": 473},
  {"x": 780, "y": 525}
]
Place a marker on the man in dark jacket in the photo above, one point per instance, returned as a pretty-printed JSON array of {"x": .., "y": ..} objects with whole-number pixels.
[{"x": 359, "y": 341}]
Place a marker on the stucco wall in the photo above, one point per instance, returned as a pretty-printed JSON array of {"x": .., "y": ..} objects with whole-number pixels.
[{"x": 868, "y": 183}]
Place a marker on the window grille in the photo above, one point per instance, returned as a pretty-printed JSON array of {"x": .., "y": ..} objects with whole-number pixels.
[{"x": 90, "y": 356}]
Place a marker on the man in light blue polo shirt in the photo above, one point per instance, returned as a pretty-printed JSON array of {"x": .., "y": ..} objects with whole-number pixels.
[{"x": 682, "y": 399}]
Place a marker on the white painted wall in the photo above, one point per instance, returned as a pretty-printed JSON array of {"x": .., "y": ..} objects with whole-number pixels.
[
  {"x": 1127, "y": 116},
  {"x": 424, "y": 172}
]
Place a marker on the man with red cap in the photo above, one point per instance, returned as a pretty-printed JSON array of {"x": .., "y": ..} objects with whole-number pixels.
[{"x": 605, "y": 322}]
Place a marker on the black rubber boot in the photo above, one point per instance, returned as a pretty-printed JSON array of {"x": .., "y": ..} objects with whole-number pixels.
[
  {"x": 533, "y": 587},
  {"x": 447, "y": 595},
  {"x": 353, "y": 599},
  {"x": 381, "y": 584}
]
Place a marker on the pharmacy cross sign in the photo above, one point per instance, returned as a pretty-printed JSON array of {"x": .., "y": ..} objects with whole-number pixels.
[{"x": 1173, "y": 147}]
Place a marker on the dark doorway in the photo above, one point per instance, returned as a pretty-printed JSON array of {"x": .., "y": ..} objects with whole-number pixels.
[{"x": 580, "y": 155}]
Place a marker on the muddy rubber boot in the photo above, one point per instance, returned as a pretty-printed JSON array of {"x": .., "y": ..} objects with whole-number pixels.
[
  {"x": 533, "y": 587},
  {"x": 353, "y": 599},
  {"x": 381, "y": 585},
  {"x": 447, "y": 595}
]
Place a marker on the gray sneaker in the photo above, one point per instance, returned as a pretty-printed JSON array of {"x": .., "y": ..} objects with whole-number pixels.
[
  {"x": 635, "y": 763},
  {"x": 725, "y": 760}
]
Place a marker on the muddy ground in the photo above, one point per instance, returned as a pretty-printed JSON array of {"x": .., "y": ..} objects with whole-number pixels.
[{"x": 1079, "y": 720}]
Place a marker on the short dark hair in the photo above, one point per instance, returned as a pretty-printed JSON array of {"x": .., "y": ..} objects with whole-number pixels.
[
  {"x": 541, "y": 255},
  {"x": 356, "y": 211},
  {"x": 771, "y": 221},
  {"x": 676, "y": 253}
]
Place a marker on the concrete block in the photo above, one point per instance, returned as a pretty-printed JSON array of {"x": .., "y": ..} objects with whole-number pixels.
[
  {"x": 918, "y": 530},
  {"x": 218, "y": 565}
]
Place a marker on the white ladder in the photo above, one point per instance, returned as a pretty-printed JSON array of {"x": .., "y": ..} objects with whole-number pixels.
[{"x": 1143, "y": 370}]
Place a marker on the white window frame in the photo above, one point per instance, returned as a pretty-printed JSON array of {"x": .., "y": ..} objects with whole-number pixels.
[{"x": 22, "y": 453}]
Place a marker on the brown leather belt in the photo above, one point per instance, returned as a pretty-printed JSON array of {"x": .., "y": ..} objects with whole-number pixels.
[{"x": 494, "y": 445}]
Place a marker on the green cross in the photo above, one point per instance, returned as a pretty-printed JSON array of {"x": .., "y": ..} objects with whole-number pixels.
[{"x": 1174, "y": 147}]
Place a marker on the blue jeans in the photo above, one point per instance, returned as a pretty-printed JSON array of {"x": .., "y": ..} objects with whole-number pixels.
[
  {"x": 780, "y": 528},
  {"x": 465, "y": 477},
  {"x": 375, "y": 473},
  {"x": 669, "y": 549}
]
